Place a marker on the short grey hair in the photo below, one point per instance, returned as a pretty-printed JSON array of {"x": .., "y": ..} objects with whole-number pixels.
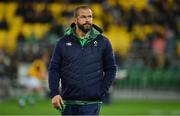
[{"x": 76, "y": 11}]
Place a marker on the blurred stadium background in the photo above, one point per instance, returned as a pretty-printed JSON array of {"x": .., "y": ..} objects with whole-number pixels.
[{"x": 144, "y": 35}]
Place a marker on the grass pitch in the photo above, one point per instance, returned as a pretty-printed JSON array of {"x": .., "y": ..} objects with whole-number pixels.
[{"x": 117, "y": 107}]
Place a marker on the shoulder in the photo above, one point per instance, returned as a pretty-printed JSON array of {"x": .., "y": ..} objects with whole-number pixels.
[
  {"x": 63, "y": 39},
  {"x": 104, "y": 39}
]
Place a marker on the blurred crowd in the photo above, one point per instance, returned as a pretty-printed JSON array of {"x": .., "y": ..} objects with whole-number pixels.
[{"x": 153, "y": 31}]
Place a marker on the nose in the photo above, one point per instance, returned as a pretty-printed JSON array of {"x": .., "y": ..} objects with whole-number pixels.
[{"x": 88, "y": 20}]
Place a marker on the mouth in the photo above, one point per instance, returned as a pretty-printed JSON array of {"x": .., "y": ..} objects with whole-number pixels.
[{"x": 87, "y": 24}]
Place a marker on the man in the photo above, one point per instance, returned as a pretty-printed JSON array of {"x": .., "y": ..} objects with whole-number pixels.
[{"x": 84, "y": 61}]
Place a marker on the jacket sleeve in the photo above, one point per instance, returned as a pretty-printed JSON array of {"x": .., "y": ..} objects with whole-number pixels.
[
  {"x": 54, "y": 68},
  {"x": 109, "y": 67}
]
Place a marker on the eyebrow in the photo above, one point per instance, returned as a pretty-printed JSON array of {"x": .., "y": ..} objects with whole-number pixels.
[{"x": 85, "y": 15}]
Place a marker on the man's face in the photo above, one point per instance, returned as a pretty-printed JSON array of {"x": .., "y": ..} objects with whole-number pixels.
[{"x": 84, "y": 20}]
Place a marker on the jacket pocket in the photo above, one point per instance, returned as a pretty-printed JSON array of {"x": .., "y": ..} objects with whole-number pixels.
[
  {"x": 92, "y": 92},
  {"x": 71, "y": 93}
]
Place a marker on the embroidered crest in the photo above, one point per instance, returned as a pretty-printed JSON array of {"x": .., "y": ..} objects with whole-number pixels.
[
  {"x": 95, "y": 43},
  {"x": 69, "y": 44}
]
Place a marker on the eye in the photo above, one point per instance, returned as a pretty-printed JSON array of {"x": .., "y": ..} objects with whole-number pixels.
[
  {"x": 83, "y": 17},
  {"x": 90, "y": 16}
]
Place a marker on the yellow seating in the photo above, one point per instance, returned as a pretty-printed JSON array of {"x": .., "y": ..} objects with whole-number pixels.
[
  {"x": 2, "y": 10},
  {"x": 11, "y": 43},
  {"x": 147, "y": 29},
  {"x": 26, "y": 29},
  {"x": 97, "y": 10},
  {"x": 97, "y": 22},
  {"x": 3, "y": 36},
  {"x": 139, "y": 5},
  {"x": 10, "y": 12},
  {"x": 119, "y": 36},
  {"x": 138, "y": 31},
  {"x": 38, "y": 7},
  {"x": 127, "y": 4},
  {"x": 120, "y": 39},
  {"x": 55, "y": 9},
  {"x": 40, "y": 30}
]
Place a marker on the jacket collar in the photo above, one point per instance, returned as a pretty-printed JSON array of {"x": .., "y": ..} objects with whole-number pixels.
[{"x": 95, "y": 31}]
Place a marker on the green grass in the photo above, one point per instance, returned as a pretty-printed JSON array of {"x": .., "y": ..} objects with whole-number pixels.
[
  {"x": 142, "y": 107},
  {"x": 128, "y": 107}
]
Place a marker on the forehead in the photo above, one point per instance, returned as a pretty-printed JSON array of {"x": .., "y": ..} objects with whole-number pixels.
[{"x": 86, "y": 11}]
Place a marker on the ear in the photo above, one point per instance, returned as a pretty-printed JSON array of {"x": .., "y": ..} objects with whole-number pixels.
[{"x": 75, "y": 20}]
